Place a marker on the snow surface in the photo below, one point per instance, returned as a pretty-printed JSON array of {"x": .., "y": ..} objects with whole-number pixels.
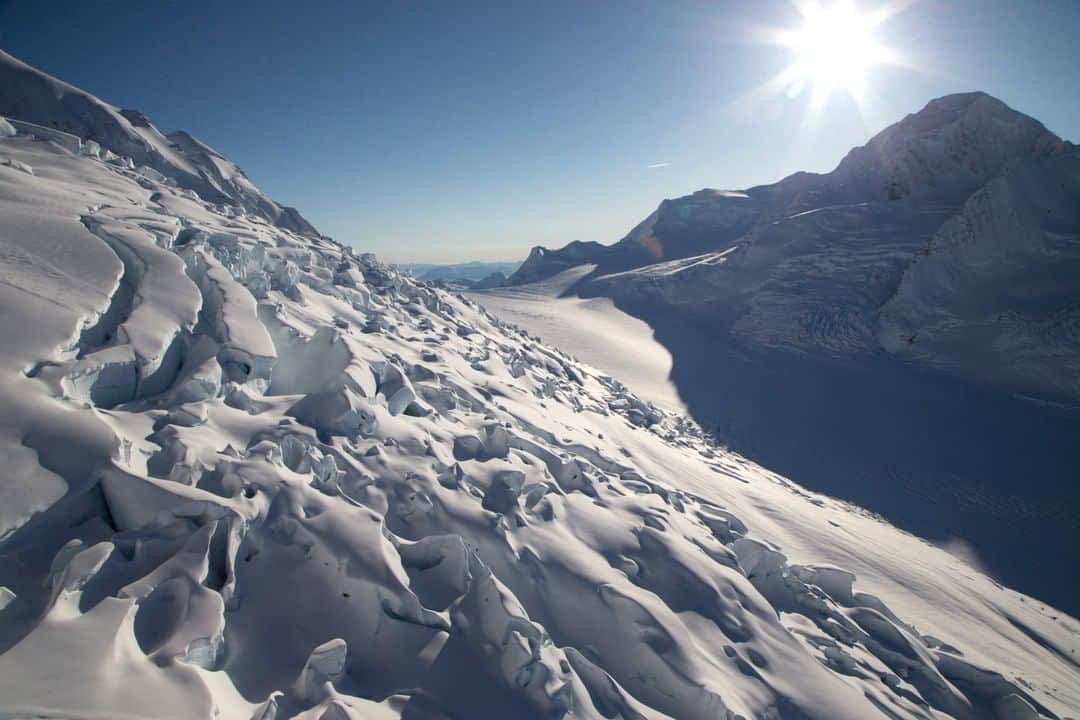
[
  {"x": 252, "y": 474},
  {"x": 597, "y": 331},
  {"x": 995, "y": 295}
]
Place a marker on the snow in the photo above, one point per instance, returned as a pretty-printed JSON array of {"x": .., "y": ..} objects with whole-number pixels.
[
  {"x": 427, "y": 513},
  {"x": 599, "y": 334},
  {"x": 17, "y": 165},
  {"x": 70, "y": 142},
  {"x": 900, "y": 332},
  {"x": 43, "y": 106},
  {"x": 994, "y": 296}
]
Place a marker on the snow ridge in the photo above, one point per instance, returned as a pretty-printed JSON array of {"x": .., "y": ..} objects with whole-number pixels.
[
  {"x": 31, "y": 95},
  {"x": 937, "y": 157}
]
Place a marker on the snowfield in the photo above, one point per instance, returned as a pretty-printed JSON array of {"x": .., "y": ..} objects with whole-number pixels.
[
  {"x": 598, "y": 333},
  {"x": 250, "y": 473}
]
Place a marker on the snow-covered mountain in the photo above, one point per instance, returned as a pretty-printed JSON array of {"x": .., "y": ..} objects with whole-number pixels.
[
  {"x": 543, "y": 263},
  {"x": 996, "y": 293},
  {"x": 32, "y": 96},
  {"x": 900, "y": 332},
  {"x": 930, "y": 161},
  {"x": 475, "y": 274},
  {"x": 494, "y": 280},
  {"x": 250, "y": 473},
  {"x": 950, "y": 238}
]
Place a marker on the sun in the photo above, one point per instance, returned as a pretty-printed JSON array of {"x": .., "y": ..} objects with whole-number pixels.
[{"x": 835, "y": 45}]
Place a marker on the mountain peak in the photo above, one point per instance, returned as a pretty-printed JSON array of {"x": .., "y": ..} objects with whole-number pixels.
[
  {"x": 940, "y": 154},
  {"x": 947, "y": 109},
  {"x": 543, "y": 262},
  {"x": 948, "y": 149},
  {"x": 962, "y": 99}
]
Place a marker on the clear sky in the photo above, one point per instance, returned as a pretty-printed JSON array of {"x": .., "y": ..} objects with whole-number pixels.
[{"x": 456, "y": 131}]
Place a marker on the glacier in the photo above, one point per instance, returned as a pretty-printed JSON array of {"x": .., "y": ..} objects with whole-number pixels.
[{"x": 252, "y": 473}]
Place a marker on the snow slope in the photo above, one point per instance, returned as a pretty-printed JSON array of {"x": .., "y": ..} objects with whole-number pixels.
[
  {"x": 250, "y": 473},
  {"x": 31, "y": 95},
  {"x": 995, "y": 294},
  {"x": 599, "y": 333},
  {"x": 900, "y": 332}
]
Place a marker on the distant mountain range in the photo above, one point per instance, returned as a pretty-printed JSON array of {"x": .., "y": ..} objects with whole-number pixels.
[{"x": 468, "y": 274}]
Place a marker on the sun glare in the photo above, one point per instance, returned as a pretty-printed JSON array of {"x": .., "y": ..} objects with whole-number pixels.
[{"x": 835, "y": 46}]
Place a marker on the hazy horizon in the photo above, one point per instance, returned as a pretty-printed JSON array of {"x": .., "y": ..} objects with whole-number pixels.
[{"x": 426, "y": 133}]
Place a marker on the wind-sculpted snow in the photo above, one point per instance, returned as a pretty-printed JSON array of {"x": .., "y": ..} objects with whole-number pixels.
[{"x": 257, "y": 475}]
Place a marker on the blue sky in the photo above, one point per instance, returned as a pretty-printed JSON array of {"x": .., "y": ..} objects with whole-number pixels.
[{"x": 456, "y": 131}]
